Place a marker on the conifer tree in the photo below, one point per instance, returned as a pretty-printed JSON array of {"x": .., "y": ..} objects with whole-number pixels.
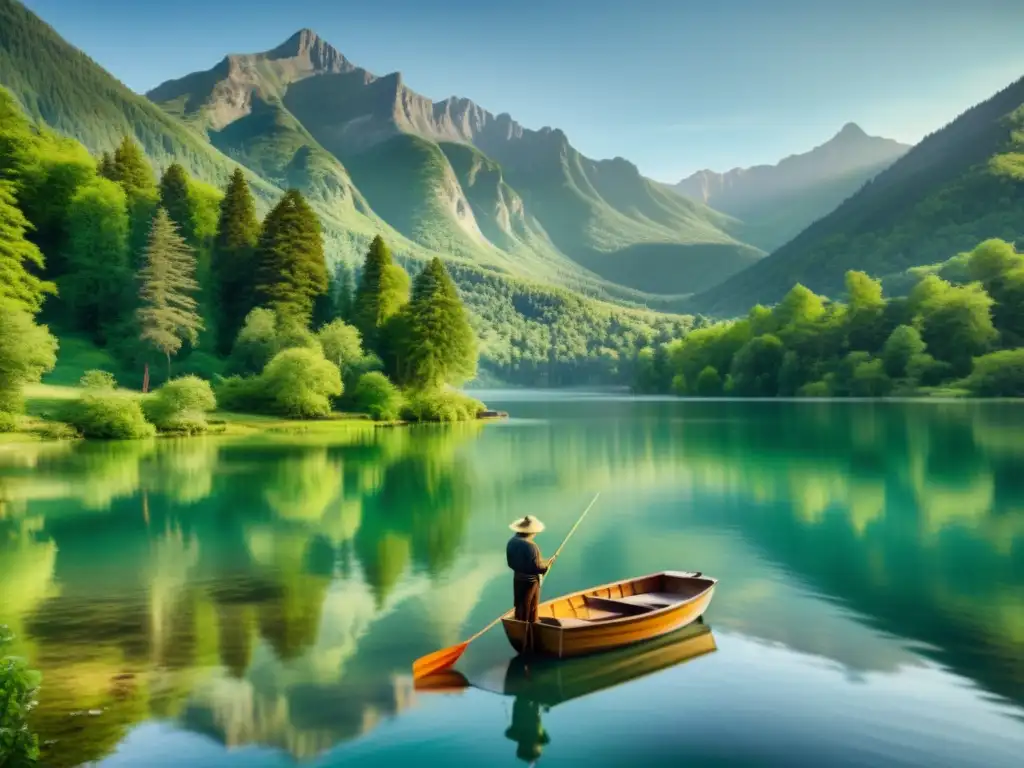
[
  {"x": 133, "y": 173},
  {"x": 98, "y": 281},
  {"x": 106, "y": 167},
  {"x": 167, "y": 314},
  {"x": 175, "y": 199},
  {"x": 291, "y": 272},
  {"x": 234, "y": 261},
  {"x": 440, "y": 347},
  {"x": 131, "y": 168},
  {"x": 344, "y": 290},
  {"x": 382, "y": 292},
  {"x": 18, "y": 255}
]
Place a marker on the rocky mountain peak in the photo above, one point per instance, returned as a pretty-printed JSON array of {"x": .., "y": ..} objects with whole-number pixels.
[{"x": 309, "y": 46}]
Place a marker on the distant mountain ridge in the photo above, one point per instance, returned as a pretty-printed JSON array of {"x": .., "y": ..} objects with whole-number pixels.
[
  {"x": 776, "y": 202},
  {"x": 544, "y": 202},
  {"x": 960, "y": 185}
]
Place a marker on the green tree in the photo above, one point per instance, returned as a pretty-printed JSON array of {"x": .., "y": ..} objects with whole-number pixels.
[
  {"x": 999, "y": 374},
  {"x": 377, "y": 396},
  {"x": 175, "y": 198},
  {"x": 441, "y": 347},
  {"x": 709, "y": 383},
  {"x": 865, "y": 312},
  {"x": 344, "y": 287},
  {"x": 901, "y": 346},
  {"x": 382, "y": 292},
  {"x": 106, "y": 167},
  {"x": 870, "y": 380},
  {"x": 167, "y": 314},
  {"x": 131, "y": 169},
  {"x": 956, "y": 324},
  {"x": 27, "y": 351},
  {"x": 96, "y": 286},
  {"x": 18, "y": 256},
  {"x": 755, "y": 368},
  {"x": 800, "y": 305},
  {"x": 234, "y": 259},
  {"x": 299, "y": 383},
  {"x": 341, "y": 344},
  {"x": 291, "y": 271},
  {"x": 133, "y": 172}
]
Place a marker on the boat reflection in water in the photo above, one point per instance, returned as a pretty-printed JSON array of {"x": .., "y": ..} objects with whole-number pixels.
[{"x": 539, "y": 683}]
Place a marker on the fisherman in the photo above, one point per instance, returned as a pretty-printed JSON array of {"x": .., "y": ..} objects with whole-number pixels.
[{"x": 524, "y": 559}]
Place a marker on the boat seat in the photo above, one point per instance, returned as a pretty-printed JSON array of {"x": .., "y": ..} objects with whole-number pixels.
[
  {"x": 617, "y": 605},
  {"x": 653, "y": 600},
  {"x": 566, "y": 623}
]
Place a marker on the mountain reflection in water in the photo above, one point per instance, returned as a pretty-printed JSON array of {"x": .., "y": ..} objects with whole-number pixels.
[{"x": 273, "y": 591}]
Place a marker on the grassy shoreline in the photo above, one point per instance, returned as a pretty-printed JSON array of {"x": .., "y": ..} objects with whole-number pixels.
[{"x": 43, "y": 401}]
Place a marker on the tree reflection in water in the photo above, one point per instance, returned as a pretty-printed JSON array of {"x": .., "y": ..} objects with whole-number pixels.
[{"x": 274, "y": 590}]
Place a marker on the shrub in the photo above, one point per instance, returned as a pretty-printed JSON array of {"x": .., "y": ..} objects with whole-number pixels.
[
  {"x": 98, "y": 380},
  {"x": 441, "y": 405},
  {"x": 18, "y": 684},
  {"x": 181, "y": 405},
  {"x": 815, "y": 389},
  {"x": 9, "y": 422},
  {"x": 709, "y": 383},
  {"x": 54, "y": 430},
  {"x": 679, "y": 384},
  {"x": 999, "y": 374},
  {"x": 870, "y": 380},
  {"x": 300, "y": 382},
  {"x": 377, "y": 396},
  {"x": 110, "y": 416},
  {"x": 927, "y": 371},
  {"x": 242, "y": 394}
]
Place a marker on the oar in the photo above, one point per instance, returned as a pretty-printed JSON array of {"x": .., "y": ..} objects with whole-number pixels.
[{"x": 438, "y": 661}]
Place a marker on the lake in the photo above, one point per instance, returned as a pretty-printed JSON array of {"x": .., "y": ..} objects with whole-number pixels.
[{"x": 259, "y": 601}]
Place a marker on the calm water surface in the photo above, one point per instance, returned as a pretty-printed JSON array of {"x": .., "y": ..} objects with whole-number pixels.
[{"x": 259, "y": 601}]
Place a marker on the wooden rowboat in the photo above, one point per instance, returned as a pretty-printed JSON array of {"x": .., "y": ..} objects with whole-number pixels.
[{"x": 613, "y": 615}]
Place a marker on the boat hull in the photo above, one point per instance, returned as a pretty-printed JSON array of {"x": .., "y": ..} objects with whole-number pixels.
[{"x": 581, "y": 637}]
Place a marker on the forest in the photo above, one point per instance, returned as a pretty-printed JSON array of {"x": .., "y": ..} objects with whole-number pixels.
[
  {"x": 187, "y": 292},
  {"x": 943, "y": 336}
]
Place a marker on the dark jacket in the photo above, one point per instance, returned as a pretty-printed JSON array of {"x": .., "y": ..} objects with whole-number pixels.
[{"x": 524, "y": 558}]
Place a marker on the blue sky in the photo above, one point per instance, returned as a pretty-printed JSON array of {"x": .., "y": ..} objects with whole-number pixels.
[{"x": 673, "y": 85}]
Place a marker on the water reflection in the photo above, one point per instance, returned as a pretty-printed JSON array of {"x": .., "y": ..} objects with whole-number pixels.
[{"x": 273, "y": 591}]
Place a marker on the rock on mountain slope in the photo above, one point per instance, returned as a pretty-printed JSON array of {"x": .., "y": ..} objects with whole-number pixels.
[
  {"x": 776, "y": 202},
  {"x": 539, "y": 203},
  {"x": 957, "y": 187}
]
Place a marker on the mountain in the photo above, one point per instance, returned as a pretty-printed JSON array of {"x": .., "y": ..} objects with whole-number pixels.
[
  {"x": 957, "y": 187},
  {"x": 776, "y": 202},
  {"x": 454, "y": 177}
]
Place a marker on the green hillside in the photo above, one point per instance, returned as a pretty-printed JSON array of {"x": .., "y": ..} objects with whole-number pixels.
[
  {"x": 624, "y": 227},
  {"x": 959, "y": 186},
  {"x": 61, "y": 86}
]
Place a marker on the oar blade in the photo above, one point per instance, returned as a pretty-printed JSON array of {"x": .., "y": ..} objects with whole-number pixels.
[
  {"x": 438, "y": 661},
  {"x": 448, "y": 681}
]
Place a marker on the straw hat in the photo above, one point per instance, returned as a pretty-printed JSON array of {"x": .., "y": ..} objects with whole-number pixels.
[{"x": 527, "y": 525}]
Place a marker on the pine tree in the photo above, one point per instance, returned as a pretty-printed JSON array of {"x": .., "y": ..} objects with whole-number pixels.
[
  {"x": 18, "y": 256},
  {"x": 167, "y": 314},
  {"x": 106, "y": 167},
  {"x": 133, "y": 173},
  {"x": 176, "y": 200},
  {"x": 440, "y": 347},
  {"x": 234, "y": 262},
  {"x": 344, "y": 290},
  {"x": 291, "y": 271},
  {"x": 131, "y": 168},
  {"x": 382, "y": 292}
]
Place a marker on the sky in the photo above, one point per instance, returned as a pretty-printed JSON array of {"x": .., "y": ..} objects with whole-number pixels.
[{"x": 672, "y": 85}]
